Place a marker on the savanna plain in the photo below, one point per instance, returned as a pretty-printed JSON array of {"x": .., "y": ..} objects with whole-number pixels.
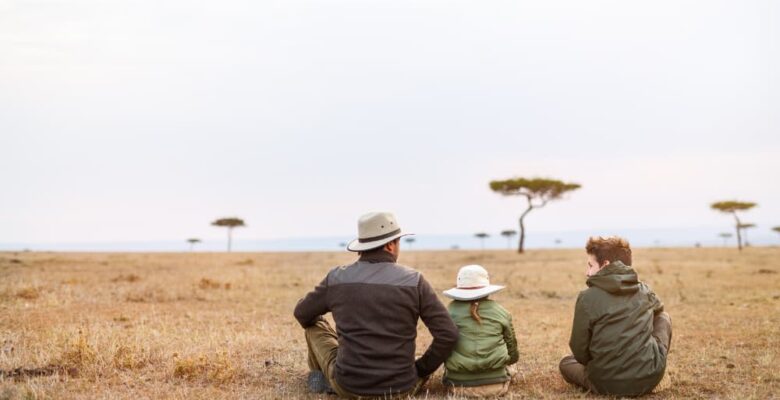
[{"x": 220, "y": 326}]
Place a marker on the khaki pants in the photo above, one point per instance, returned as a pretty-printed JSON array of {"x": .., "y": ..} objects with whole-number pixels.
[
  {"x": 483, "y": 391},
  {"x": 323, "y": 345},
  {"x": 574, "y": 372}
]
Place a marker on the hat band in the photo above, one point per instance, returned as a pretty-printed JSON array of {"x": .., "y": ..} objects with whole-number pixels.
[
  {"x": 472, "y": 287},
  {"x": 380, "y": 237}
]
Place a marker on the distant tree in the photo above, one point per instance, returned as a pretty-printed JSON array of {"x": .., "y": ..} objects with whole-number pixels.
[
  {"x": 193, "y": 242},
  {"x": 342, "y": 244},
  {"x": 482, "y": 236},
  {"x": 508, "y": 234},
  {"x": 410, "y": 240},
  {"x": 229, "y": 223},
  {"x": 731, "y": 207},
  {"x": 744, "y": 227},
  {"x": 726, "y": 236},
  {"x": 537, "y": 191},
  {"x": 558, "y": 242},
  {"x": 776, "y": 229}
]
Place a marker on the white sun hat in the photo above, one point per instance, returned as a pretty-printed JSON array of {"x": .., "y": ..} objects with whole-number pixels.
[
  {"x": 473, "y": 283},
  {"x": 375, "y": 229}
]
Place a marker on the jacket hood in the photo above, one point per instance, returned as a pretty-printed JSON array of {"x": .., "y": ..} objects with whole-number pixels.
[{"x": 616, "y": 278}]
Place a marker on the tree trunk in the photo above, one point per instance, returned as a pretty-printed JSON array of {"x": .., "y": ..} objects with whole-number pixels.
[
  {"x": 230, "y": 238},
  {"x": 521, "y": 244},
  {"x": 191, "y": 246},
  {"x": 739, "y": 235}
]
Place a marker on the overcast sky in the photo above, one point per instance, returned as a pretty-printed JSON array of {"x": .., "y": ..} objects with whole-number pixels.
[{"x": 145, "y": 120}]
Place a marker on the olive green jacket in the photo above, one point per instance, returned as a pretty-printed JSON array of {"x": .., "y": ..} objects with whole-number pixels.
[
  {"x": 483, "y": 350},
  {"x": 612, "y": 332}
]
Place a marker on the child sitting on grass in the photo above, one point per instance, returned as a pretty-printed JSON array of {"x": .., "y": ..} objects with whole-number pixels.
[
  {"x": 486, "y": 341},
  {"x": 621, "y": 335}
]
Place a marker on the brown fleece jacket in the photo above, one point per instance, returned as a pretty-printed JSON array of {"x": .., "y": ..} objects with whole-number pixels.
[{"x": 376, "y": 304}]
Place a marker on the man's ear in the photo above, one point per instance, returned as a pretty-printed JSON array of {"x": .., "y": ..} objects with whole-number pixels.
[{"x": 605, "y": 263}]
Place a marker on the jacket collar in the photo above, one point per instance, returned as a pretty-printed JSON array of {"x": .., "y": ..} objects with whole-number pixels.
[{"x": 378, "y": 256}]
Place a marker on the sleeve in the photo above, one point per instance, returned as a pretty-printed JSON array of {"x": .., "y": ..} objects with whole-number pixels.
[
  {"x": 444, "y": 332},
  {"x": 310, "y": 308},
  {"x": 511, "y": 341},
  {"x": 655, "y": 303},
  {"x": 581, "y": 332}
]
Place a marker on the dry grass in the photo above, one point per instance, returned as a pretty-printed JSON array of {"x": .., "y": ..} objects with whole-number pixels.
[{"x": 207, "y": 326}]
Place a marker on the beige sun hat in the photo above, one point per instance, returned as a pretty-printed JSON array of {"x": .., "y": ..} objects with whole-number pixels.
[
  {"x": 473, "y": 283},
  {"x": 375, "y": 229}
]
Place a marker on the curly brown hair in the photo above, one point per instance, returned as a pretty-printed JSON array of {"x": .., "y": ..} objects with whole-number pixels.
[{"x": 611, "y": 248}]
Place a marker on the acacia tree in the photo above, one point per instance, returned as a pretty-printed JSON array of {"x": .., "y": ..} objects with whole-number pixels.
[
  {"x": 481, "y": 236},
  {"x": 229, "y": 223},
  {"x": 508, "y": 234},
  {"x": 776, "y": 229},
  {"x": 537, "y": 192},
  {"x": 410, "y": 240},
  {"x": 193, "y": 242},
  {"x": 726, "y": 236},
  {"x": 744, "y": 227},
  {"x": 731, "y": 207}
]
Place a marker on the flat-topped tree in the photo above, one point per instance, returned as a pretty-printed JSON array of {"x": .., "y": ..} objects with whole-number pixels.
[
  {"x": 409, "y": 240},
  {"x": 229, "y": 223},
  {"x": 726, "y": 236},
  {"x": 537, "y": 191},
  {"x": 193, "y": 242},
  {"x": 776, "y": 229},
  {"x": 508, "y": 234},
  {"x": 482, "y": 236},
  {"x": 731, "y": 207},
  {"x": 745, "y": 227}
]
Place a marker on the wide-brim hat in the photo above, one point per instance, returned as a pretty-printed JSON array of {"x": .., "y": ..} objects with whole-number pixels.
[
  {"x": 473, "y": 283},
  {"x": 376, "y": 229}
]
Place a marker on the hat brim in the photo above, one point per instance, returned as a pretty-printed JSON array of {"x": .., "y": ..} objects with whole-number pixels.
[
  {"x": 472, "y": 294},
  {"x": 356, "y": 245}
]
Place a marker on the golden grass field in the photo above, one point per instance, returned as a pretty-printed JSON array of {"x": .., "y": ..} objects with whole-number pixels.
[{"x": 220, "y": 326}]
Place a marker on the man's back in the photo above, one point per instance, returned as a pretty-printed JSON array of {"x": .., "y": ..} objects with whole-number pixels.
[{"x": 376, "y": 304}]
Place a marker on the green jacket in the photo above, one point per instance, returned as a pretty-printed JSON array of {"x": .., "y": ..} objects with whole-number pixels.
[
  {"x": 483, "y": 351},
  {"x": 612, "y": 332}
]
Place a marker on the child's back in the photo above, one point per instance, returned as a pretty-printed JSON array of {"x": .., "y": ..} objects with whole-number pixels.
[{"x": 485, "y": 347}]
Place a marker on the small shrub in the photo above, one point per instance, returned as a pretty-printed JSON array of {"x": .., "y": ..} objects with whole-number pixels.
[
  {"x": 206, "y": 283},
  {"x": 78, "y": 353},
  {"x": 29, "y": 293},
  {"x": 216, "y": 369},
  {"x": 127, "y": 278},
  {"x": 126, "y": 357}
]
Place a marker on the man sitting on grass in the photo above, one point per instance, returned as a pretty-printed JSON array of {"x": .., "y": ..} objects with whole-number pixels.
[
  {"x": 621, "y": 335},
  {"x": 376, "y": 304}
]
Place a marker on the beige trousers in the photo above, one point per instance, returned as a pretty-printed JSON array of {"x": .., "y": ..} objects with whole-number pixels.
[{"x": 480, "y": 392}]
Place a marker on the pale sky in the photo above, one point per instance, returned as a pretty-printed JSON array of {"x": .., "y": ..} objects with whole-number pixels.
[{"x": 146, "y": 120}]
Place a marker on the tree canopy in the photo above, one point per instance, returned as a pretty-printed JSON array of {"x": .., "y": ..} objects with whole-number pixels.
[
  {"x": 230, "y": 222},
  {"x": 537, "y": 191},
  {"x": 732, "y": 206},
  {"x": 542, "y": 189}
]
